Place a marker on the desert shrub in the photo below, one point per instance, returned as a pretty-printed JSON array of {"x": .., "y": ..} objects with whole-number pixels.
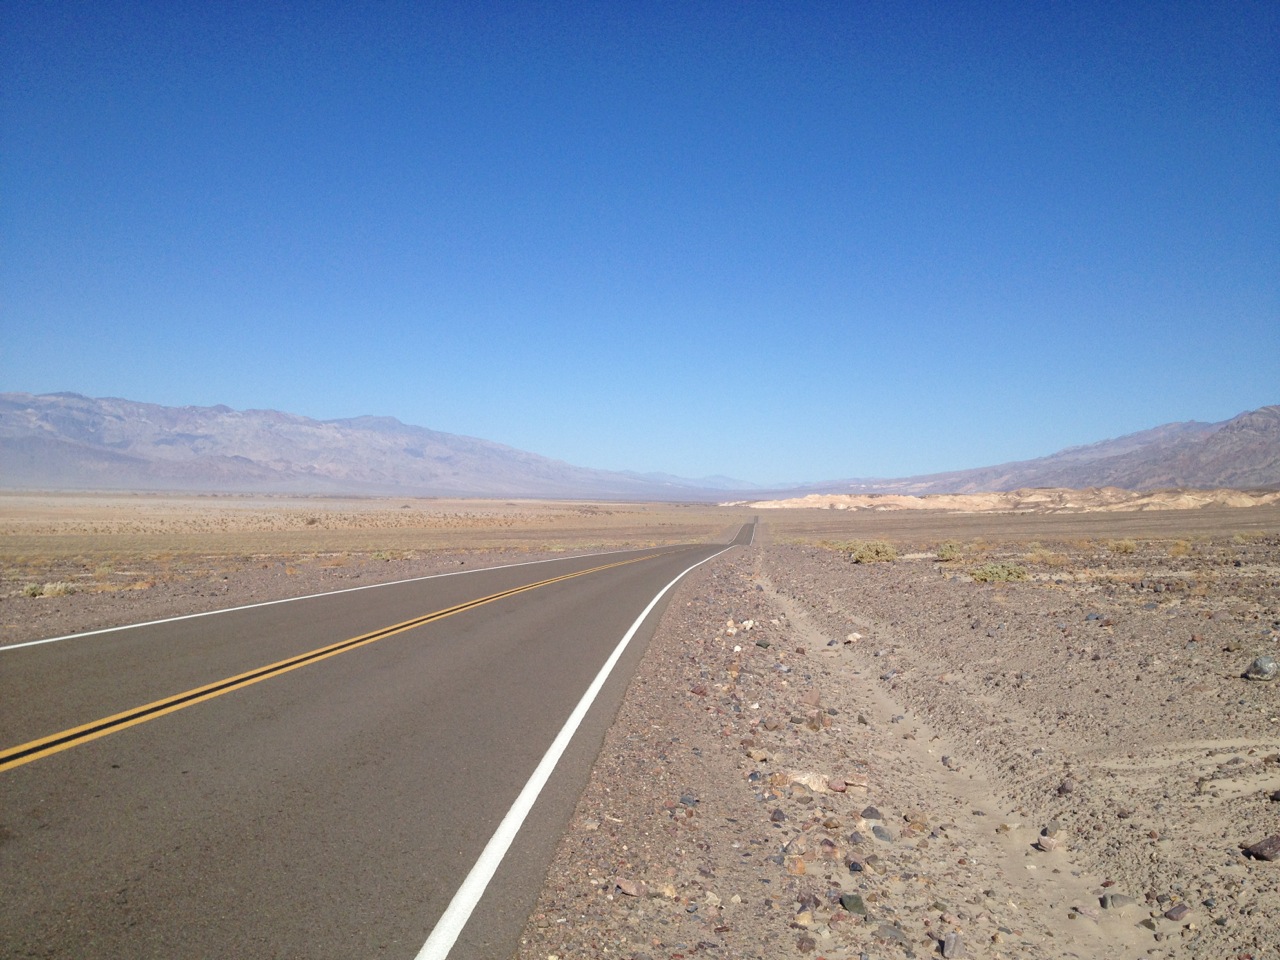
[
  {"x": 998, "y": 572},
  {"x": 948, "y": 550},
  {"x": 870, "y": 551},
  {"x": 1180, "y": 548},
  {"x": 1043, "y": 556},
  {"x": 1122, "y": 546},
  {"x": 32, "y": 590},
  {"x": 59, "y": 589}
]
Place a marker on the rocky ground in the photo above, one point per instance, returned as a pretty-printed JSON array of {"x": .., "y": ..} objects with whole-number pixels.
[{"x": 834, "y": 759}]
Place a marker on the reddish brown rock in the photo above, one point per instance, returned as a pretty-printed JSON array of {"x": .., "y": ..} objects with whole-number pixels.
[{"x": 1268, "y": 849}]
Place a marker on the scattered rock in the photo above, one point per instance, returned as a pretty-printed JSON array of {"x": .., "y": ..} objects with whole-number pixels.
[
  {"x": 1117, "y": 901},
  {"x": 852, "y": 903},
  {"x": 1268, "y": 849},
  {"x": 952, "y": 945},
  {"x": 1051, "y": 727},
  {"x": 1262, "y": 668},
  {"x": 631, "y": 888},
  {"x": 1177, "y": 912}
]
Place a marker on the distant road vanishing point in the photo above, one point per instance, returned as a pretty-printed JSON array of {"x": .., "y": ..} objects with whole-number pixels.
[{"x": 375, "y": 773}]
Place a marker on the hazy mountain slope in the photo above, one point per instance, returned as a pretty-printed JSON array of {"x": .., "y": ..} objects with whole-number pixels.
[
  {"x": 70, "y": 441},
  {"x": 67, "y": 441},
  {"x": 1241, "y": 452}
]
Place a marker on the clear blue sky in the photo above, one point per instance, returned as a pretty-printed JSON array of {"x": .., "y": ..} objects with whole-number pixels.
[{"x": 779, "y": 241}]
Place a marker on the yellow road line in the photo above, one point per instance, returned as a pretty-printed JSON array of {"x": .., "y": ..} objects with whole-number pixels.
[{"x": 66, "y": 739}]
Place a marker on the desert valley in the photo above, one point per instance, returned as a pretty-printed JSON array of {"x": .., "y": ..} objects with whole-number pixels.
[
  {"x": 984, "y": 729},
  {"x": 1022, "y": 711}
]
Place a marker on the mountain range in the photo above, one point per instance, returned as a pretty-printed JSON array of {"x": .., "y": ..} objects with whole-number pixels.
[{"x": 65, "y": 441}]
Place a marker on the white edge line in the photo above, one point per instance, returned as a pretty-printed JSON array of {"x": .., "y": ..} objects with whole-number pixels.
[
  {"x": 449, "y": 927},
  {"x": 310, "y": 596}
]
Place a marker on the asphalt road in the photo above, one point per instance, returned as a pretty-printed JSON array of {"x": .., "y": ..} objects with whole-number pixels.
[{"x": 329, "y": 806}]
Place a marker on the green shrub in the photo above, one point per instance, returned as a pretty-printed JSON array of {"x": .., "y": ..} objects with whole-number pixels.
[
  {"x": 948, "y": 550},
  {"x": 996, "y": 572},
  {"x": 1122, "y": 546},
  {"x": 32, "y": 590}
]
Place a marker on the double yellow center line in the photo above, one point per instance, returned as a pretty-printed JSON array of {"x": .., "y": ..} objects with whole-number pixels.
[{"x": 66, "y": 739}]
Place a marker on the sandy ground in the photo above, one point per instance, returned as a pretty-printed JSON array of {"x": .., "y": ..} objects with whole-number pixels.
[
  {"x": 1035, "y": 500},
  {"x": 825, "y": 758}
]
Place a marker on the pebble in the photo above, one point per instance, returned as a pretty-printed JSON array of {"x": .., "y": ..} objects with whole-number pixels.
[
  {"x": 1177, "y": 912},
  {"x": 852, "y": 903},
  {"x": 1117, "y": 901},
  {"x": 1268, "y": 849},
  {"x": 1263, "y": 668},
  {"x": 952, "y": 945},
  {"x": 888, "y": 932},
  {"x": 631, "y": 888}
]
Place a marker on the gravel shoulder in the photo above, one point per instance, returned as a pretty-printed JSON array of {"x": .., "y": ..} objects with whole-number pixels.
[{"x": 835, "y": 759}]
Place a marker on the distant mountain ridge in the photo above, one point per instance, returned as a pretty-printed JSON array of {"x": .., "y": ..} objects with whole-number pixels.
[
  {"x": 1243, "y": 453},
  {"x": 68, "y": 441}
]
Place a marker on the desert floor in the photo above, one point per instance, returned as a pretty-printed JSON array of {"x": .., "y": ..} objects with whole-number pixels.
[{"x": 1028, "y": 735}]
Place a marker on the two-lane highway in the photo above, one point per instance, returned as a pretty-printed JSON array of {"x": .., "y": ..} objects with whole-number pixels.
[{"x": 314, "y": 778}]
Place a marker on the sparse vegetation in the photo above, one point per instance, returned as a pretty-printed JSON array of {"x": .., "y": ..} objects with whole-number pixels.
[
  {"x": 1043, "y": 556},
  {"x": 870, "y": 551},
  {"x": 998, "y": 572},
  {"x": 1125, "y": 546},
  {"x": 1180, "y": 548},
  {"x": 57, "y": 589},
  {"x": 948, "y": 550}
]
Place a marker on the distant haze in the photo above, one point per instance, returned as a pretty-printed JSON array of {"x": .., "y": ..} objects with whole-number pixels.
[{"x": 67, "y": 441}]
